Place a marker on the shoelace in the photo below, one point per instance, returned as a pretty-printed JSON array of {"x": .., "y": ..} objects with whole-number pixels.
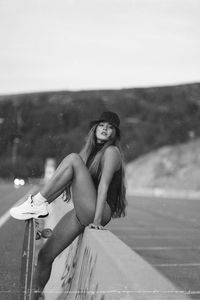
[{"x": 32, "y": 202}]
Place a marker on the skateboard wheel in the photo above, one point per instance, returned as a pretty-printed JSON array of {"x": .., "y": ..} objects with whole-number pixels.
[
  {"x": 38, "y": 235},
  {"x": 46, "y": 233}
]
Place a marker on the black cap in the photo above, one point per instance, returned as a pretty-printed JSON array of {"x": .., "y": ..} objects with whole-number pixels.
[{"x": 110, "y": 117}]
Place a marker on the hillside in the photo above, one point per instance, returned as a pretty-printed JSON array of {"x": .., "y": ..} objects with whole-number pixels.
[
  {"x": 36, "y": 126},
  {"x": 169, "y": 168}
]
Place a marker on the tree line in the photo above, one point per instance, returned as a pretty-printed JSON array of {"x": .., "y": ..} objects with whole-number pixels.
[{"x": 36, "y": 126}]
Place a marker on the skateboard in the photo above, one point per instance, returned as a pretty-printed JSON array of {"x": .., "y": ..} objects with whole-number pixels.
[{"x": 31, "y": 234}]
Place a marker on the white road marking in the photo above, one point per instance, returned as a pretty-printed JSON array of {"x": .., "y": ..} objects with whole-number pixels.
[
  {"x": 166, "y": 248},
  {"x": 177, "y": 265},
  {"x": 153, "y": 228},
  {"x": 158, "y": 237},
  {"x": 6, "y": 216},
  {"x": 128, "y": 292}
]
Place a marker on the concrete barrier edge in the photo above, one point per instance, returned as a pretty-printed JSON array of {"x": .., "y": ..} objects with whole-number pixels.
[{"x": 100, "y": 266}]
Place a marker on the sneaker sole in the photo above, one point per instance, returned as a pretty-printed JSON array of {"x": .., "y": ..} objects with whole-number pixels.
[
  {"x": 42, "y": 216},
  {"x": 27, "y": 216}
]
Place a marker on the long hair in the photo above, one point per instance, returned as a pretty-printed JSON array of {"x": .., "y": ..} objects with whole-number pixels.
[{"x": 95, "y": 168}]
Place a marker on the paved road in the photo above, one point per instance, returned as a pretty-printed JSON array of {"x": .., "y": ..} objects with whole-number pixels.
[
  {"x": 166, "y": 233},
  {"x": 11, "y": 237}
]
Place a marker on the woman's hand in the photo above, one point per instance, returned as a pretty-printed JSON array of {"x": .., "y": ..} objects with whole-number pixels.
[{"x": 96, "y": 226}]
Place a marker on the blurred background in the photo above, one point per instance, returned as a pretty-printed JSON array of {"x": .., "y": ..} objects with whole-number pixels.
[{"x": 63, "y": 63}]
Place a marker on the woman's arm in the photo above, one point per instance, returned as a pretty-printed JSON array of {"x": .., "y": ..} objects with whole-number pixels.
[{"x": 111, "y": 163}]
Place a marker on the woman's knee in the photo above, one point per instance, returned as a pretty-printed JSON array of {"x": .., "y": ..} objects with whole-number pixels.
[
  {"x": 74, "y": 158},
  {"x": 71, "y": 161}
]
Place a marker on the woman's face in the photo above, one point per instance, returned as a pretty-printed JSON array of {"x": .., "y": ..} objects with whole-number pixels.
[{"x": 104, "y": 132}]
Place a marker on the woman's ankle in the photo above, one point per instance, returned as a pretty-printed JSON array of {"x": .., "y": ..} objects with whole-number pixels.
[{"x": 38, "y": 199}]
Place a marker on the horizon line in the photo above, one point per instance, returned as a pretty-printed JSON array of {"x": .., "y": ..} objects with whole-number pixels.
[{"x": 97, "y": 89}]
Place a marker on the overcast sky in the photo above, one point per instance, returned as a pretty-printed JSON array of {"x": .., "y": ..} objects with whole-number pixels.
[{"x": 95, "y": 44}]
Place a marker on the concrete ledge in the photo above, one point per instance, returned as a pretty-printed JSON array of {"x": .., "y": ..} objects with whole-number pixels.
[{"x": 100, "y": 266}]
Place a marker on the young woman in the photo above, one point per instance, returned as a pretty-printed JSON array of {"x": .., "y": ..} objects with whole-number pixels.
[{"x": 96, "y": 178}]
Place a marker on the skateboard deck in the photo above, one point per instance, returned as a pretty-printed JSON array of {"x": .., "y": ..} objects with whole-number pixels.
[
  {"x": 33, "y": 232},
  {"x": 28, "y": 261}
]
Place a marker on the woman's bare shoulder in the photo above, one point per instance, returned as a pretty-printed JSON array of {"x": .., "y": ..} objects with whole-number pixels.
[
  {"x": 112, "y": 153},
  {"x": 112, "y": 150}
]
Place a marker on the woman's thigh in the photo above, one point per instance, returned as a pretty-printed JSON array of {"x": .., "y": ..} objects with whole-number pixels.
[
  {"x": 66, "y": 230},
  {"x": 83, "y": 191},
  {"x": 84, "y": 194}
]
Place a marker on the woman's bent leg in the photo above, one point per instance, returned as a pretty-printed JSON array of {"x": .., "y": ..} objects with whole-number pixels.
[
  {"x": 73, "y": 171},
  {"x": 61, "y": 178},
  {"x": 35, "y": 207},
  {"x": 84, "y": 198},
  {"x": 67, "y": 229}
]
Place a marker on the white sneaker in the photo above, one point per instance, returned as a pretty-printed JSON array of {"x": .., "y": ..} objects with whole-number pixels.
[{"x": 29, "y": 210}]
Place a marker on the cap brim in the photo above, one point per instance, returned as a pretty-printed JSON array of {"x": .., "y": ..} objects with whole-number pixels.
[{"x": 92, "y": 123}]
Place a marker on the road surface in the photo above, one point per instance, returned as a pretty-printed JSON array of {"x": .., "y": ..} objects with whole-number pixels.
[
  {"x": 11, "y": 237},
  {"x": 165, "y": 232}
]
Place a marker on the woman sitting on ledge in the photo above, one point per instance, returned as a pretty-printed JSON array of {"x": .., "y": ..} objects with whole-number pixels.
[{"x": 96, "y": 178}]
